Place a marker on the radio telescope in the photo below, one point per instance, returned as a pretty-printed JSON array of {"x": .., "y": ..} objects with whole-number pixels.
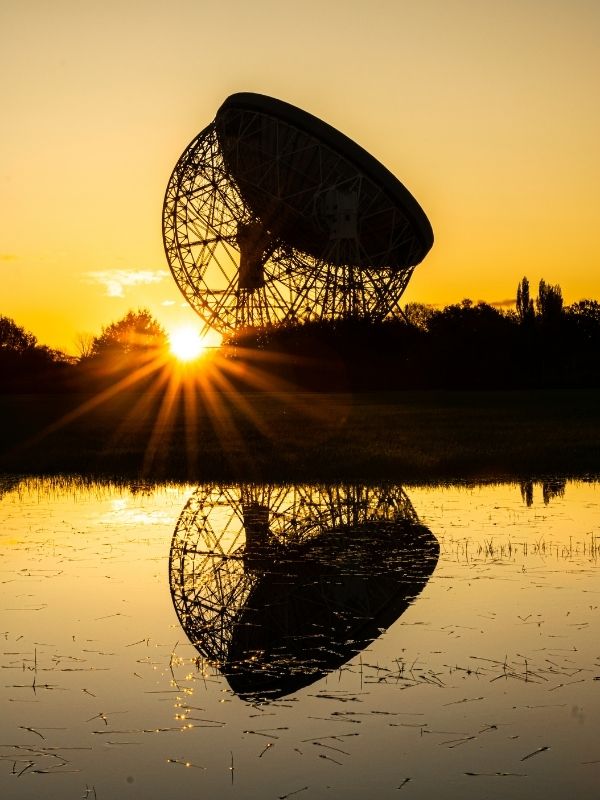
[
  {"x": 271, "y": 215},
  {"x": 278, "y": 585}
]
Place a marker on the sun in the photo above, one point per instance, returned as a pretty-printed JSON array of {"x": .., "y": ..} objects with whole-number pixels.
[{"x": 186, "y": 344}]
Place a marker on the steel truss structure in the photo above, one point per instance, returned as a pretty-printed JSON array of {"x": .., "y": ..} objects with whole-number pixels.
[
  {"x": 249, "y": 564},
  {"x": 265, "y": 223}
]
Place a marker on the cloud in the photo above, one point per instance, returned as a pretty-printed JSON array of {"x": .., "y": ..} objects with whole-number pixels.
[
  {"x": 115, "y": 281},
  {"x": 168, "y": 303},
  {"x": 503, "y": 303},
  {"x": 8, "y": 257}
]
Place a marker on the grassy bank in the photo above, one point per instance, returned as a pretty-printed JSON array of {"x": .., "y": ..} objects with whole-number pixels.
[{"x": 404, "y": 436}]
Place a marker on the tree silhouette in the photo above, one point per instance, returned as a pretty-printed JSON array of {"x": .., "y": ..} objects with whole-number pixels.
[
  {"x": 84, "y": 343},
  {"x": 462, "y": 346},
  {"x": 588, "y": 310},
  {"x": 14, "y": 338},
  {"x": 136, "y": 333},
  {"x": 549, "y": 302},
  {"x": 524, "y": 302},
  {"x": 419, "y": 314},
  {"x": 24, "y": 364}
]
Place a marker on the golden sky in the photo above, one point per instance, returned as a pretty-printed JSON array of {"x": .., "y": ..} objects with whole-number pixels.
[{"x": 487, "y": 111}]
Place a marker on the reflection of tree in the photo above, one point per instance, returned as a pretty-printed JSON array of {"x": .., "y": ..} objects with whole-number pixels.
[
  {"x": 527, "y": 492},
  {"x": 8, "y": 483},
  {"x": 551, "y": 488},
  {"x": 279, "y": 585}
]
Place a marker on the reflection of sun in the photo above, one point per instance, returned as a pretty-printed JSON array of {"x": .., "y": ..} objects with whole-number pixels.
[{"x": 186, "y": 344}]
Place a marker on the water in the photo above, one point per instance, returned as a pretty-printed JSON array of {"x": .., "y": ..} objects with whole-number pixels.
[{"x": 268, "y": 641}]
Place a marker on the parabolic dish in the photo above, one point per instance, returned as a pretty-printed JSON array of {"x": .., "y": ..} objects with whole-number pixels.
[
  {"x": 272, "y": 216},
  {"x": 309, "y": 184}
]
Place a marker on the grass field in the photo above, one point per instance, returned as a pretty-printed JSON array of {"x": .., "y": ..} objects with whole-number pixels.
[{"x": 407, "y": 437}]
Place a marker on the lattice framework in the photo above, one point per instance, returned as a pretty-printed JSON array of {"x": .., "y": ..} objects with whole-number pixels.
[{"x": 204, "y": 211}]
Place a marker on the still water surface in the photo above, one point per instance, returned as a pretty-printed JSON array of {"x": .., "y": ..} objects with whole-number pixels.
[{"x": 299, "y": 641}]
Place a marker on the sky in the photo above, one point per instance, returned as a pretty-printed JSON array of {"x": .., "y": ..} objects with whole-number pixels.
[{"x": 488, "y": 113}]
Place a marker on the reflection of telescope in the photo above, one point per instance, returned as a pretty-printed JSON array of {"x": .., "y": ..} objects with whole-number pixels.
[{"x": 278, "y": 586}]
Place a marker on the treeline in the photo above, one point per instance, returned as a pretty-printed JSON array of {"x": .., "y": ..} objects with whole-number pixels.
[
  {"x": 134, "y": 346},
  {"x": 541, "y": 343},
  {"x": 23, "y": 361}
]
